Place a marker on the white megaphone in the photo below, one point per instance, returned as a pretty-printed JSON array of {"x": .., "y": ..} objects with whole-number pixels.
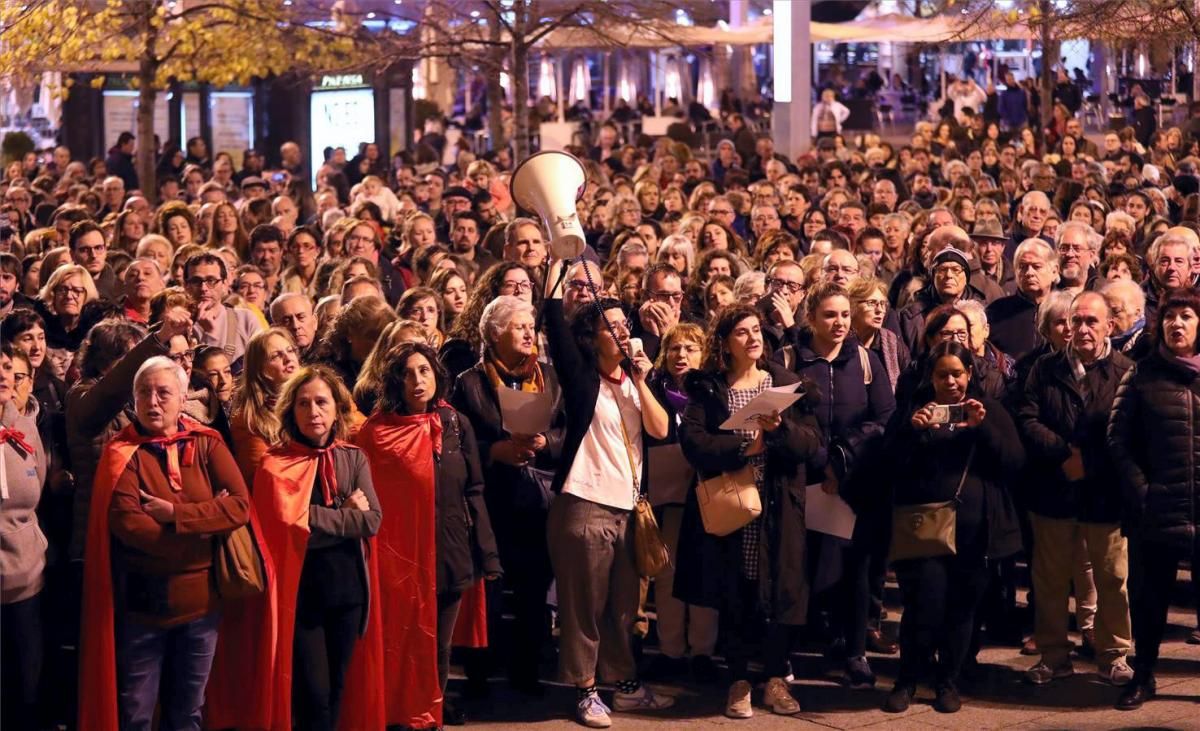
[{"x": 548, "y": 183}]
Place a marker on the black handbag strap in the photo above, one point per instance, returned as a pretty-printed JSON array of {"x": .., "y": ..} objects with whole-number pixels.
[{"x": 966, "y": 469}]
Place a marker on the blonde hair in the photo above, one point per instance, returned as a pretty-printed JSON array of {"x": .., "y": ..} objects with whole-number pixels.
[
  {"x": 255, "y": 400},
  {"x": 66, "y": 271}
]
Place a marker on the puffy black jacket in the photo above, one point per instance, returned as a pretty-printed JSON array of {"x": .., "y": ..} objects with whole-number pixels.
[
  {"x": 852, "y": 412},
  {"x": 1154, "y": 436},
  {"x": 1052, "y": 416}
]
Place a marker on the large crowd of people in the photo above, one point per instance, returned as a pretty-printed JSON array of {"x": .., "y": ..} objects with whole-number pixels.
[{"x": 259, "y": 469}]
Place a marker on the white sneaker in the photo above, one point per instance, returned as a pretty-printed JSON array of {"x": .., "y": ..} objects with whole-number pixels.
[
  {"x": 1118, "y": 673},
  {"x": 738, "y": 705},
  {"x": 591, "y": 712},
  {"x": 643, "y": 699},
  {"x": 778, "y": 697}
]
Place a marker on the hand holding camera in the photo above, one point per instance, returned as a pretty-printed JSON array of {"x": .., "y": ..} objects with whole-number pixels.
[{"x": 965, "y": 415}]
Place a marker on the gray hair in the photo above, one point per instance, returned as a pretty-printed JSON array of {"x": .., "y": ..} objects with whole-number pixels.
[
  {"x": 1037, "y": 246},
  {"x": 1128, "y": 293},
  {"x": 903, "y": 219},
  {"x": 510, "y": 230},
  {"x": 747, "y": 281},
  {"x": 1033, "y": 196},
  {"x": 156, "y": 364},
  {"x": 499, "y": 313},
  {"x": 1174, "y": 236},
  {"x": 972, "y": 307},
  {"x": 1093, "y": 239},
  {"x": 1056, "y": 302},
  {"x": 284, "y": 298}
]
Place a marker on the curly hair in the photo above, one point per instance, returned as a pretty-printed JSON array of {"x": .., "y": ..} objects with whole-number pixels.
[
  {"x": 486, "y": 289},
  {"x": 391, "y": 397}
]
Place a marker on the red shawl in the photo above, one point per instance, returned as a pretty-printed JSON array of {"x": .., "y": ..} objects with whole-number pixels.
[
  {"x": 253, "y": 690},
  {"x": 98, "y": 650},
  {"x": 401, "y": 452}
]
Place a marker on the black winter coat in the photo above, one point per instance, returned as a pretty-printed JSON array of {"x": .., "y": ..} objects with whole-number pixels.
[
  {"x": 466, "y": 546},
  {"x": 1154, "y": 437},
  {"x": 852, "y": 413},
  {"x": 1053, "y": 417},
  {"x": 507, "y": 492},
  {"x": 1013, "y": 322},
  {"x": 709, "y": 568},
  {"x": 927, "y": 466}
]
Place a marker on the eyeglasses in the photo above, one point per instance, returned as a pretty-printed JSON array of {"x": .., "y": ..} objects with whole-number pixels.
[
  {"x": 358, "y": 239},
  {"x": 578, "y": 285},
  {"x": 184, "y": 357},
  {"x": 517, "y": 286},
  {"x": 92, "y": 250},
  {"x": 243, "y": 286},
  {"x": 948, "y": 270},
  {"x": 720, "y": 211},
  {"x": 199, "y": 282},
  {"x": 19, "y": 378},
  {"x": 672, "y": 296},
  {"x": 959, "y": 335},
  {"x": 879, "y": 304},
  {"x": 1071, "y": 249},
  {"x": 621, "y": 326},
  {"x": 785, "y": 285},
  {"x": 63, "y": 290}
]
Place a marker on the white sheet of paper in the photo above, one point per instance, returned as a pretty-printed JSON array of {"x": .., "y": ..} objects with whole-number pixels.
[
  {"x": 523, "y": 412},
  {"x": 773, "y": 399},
  {"x": 826, "y": 513}
]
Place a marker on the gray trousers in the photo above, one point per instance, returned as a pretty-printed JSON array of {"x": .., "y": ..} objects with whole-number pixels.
[{"x": 591, "y": 550}]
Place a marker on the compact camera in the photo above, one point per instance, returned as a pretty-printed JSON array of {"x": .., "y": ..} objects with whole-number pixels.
[{"x": 948, "y": 414}]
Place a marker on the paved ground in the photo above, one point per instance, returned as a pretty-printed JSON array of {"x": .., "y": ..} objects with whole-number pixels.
[{"x": 999, "y": 700}]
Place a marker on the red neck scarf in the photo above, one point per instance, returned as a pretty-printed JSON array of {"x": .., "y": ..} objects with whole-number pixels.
[
  {"x": 186, "y": 440},
  {"x": 326, "y": 474},
  {"x": 15, "y": 438}
]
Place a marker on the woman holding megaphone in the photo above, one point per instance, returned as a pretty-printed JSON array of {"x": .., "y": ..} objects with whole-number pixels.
[{"x": 590, "y": 528}]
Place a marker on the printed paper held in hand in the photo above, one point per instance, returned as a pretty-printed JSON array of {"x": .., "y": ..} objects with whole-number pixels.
[
  {"x": 827, "y": 513},
  {"x": 523, "y": 412},
  {"x": 773, "y": 399}
]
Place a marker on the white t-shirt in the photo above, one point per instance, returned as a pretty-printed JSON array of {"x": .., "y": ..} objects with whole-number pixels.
[{"x": 600, "y": 472}]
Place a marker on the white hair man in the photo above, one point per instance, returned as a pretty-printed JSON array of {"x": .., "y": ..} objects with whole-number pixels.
[{"x": 1014, "y": 318}]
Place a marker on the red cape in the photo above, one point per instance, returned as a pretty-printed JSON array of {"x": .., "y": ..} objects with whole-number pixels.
[
  {"x": 401, "y": 452},
  {"x": 98, "y": 648},
  {"x": 470, "y": 630},
  {"x": 251, "y": 688}
]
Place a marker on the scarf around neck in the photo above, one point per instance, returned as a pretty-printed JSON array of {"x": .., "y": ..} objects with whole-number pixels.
[
  {"x": 1190, "y": 362},
  {"x": 529, "y": 374}
]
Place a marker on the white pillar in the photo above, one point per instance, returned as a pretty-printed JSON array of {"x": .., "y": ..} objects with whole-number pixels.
[{"x": 791, "y": 119}]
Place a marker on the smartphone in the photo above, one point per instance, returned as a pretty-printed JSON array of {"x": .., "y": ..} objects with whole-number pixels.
[
  {"x": 949, "y": 414},
  {"x": 636, "y": 346},
  {"x": 278, "y": 177}
]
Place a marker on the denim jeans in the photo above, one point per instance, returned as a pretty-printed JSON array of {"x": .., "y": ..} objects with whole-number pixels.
[{"x": 186, "y": 653}]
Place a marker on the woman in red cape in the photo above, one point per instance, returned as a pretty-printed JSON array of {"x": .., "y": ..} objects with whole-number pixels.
[
  {"x": 425, "y": 467},
  {"x": 98, "y": 709},
  {"x": 255, "y": 689}
]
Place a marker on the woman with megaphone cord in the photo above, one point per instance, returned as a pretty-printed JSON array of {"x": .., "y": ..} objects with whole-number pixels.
[{"x": 591, "y": 525}]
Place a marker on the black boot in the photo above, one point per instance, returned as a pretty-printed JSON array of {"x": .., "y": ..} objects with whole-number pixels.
[
  {"x": 1139, "y": 690},
  {"x": 900, "y": 698}
]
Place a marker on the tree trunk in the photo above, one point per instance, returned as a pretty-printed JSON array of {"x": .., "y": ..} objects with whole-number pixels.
[
  {"x": 495, "y": 92},
  {"x": 520, "y": 80},
  {"x": 146, "y": 150},
  {"x": 1049, "y": 58}
]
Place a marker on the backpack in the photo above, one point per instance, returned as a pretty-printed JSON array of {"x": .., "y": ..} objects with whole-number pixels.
[{"x": 864, "y": 360}]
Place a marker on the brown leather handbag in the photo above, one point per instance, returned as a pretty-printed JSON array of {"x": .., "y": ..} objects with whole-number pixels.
[
  {"x": 927, "y": 530},
  {"x": 649, "y": 551},
  {"x": 729, "y": 501},
  {"x": 238, "y": 565}
]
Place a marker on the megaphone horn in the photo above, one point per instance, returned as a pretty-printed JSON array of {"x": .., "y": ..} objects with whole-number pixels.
[{"x": 549, "y": 183}]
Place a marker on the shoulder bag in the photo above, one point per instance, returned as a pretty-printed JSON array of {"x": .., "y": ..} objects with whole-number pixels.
[
  {"x": 729, "y": 501},
  {"x": 238, "y": 568},
  {"x": 927, "y": 530},
  {"x": 650, "y": 552}
]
